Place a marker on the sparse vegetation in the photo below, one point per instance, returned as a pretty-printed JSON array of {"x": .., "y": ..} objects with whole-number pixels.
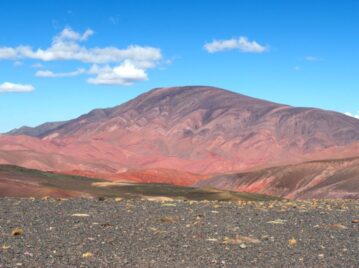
[{"x": 83, "y": 186}]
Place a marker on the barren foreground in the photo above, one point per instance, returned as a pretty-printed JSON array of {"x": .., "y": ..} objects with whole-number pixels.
[{"x": 136, "y": 233}]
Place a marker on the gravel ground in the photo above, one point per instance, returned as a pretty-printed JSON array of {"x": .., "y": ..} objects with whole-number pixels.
[{"x": 136, "y": 233}]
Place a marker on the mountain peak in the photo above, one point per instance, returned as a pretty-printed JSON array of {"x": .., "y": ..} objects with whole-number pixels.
[
  {"x": 200, "y": 129},
  {"x": 192, "y": 90}
]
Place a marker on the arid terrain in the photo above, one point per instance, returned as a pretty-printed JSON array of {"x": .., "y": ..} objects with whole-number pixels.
[
  {"x": 22, "y": 182},
  {"x": 179, "y": 134},
  {"x": 197, "y": 135},
  {"x": 316, "y": 179},
  {"x": 137, "y": 233}
]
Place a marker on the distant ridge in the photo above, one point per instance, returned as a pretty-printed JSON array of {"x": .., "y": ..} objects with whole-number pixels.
[{"x": 36, "y": 131}]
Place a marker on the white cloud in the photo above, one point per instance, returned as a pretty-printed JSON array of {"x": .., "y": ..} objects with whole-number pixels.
[
  {"x": 12, "y": 87},
  {"x": 68, "y": 34},
  {"x": 17, "y": 63},
  {"x": 65, "y": 46},
  {"x": 124, "y": 74},
  {"x": 312, "y": 58},
  {"x": 48, "y": 73},
  {"x": 353, "y": 115},
  {"x": 8, "y": 53},
  {"x": 37, "y": 65},
  {"x": 129, "y": 64},
  {"x": 242, "y": 43}
]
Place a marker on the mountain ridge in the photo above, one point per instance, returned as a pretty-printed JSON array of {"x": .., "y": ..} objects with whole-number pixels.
[
  {"x": 98, "y": 112},
  {"x": 190, "y": 130}
]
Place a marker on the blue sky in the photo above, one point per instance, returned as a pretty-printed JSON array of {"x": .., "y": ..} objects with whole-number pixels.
[{"x": 60, "y": 59}]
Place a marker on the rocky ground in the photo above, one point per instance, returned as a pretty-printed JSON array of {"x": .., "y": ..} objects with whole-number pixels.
[{"x": 136, "y": 233}]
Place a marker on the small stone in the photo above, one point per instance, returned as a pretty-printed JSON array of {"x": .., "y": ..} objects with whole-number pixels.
[
  {"x": 242, "y": 246},
  {"x": 292, "y": 242},
  {"x": 240, "y": 240},
  {"x": 167, "y": 219},
  {"x": 277, "y": 221},
  {"x": 87, "y": 255},
  {"x": 168, "y": 205},
  {"x": 338, "y": 226},
  {"x": 80, "y": 215},
  {"x": 355, "y": 221},
  {"x": 17, "y": 232}
]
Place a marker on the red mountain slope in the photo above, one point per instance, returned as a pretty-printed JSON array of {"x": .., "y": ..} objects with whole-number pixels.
[
  {"x": 196, "y": 129},
  {"x": 316, "y": 179}
]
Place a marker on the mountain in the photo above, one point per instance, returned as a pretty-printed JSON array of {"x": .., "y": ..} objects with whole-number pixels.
[
  {"x": 183, "y": 135},
  {"x": 36, "y": 131},
  {"x": 315, "y": 179}
]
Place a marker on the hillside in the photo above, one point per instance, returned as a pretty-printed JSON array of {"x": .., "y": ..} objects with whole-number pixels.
[
  {"x": 316, "y": 179},
  {"x": 194, "y": 129},
  {"x": 22, "y": 182},
  {"x": 184, "y": 135}
]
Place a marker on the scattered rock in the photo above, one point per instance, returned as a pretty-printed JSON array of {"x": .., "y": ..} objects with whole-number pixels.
[
  {"x": 243, "y": 246},
  {"x": 155, "y": 230},
  {"x": 167, "y": 219},
  {"x": 337, "y": 226},
  {"x": 234, "y": 236},
  {"x": 87, "y": 255},
  {"x": 80, "y": 215},
  {"x": 17, "y": 232},
  {"x": 168, "y": 205},
  {"x": 292, "y": 242},
  {"x": 355, "y": 221},
  {"x": 277, "y": 221},
  {"x": 240, "y": 240},
  {"x": 158, "y": 198}
]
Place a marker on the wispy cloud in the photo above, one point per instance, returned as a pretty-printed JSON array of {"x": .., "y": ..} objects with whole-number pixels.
[
  {"x": 312, "y": 58},
  {"x": 67, "y": 46},
  {"x": 12, "y": 87},
  {"x": 37, "y": 65},
  {"x": 353, "y": 115},
  {"x": 242, "y": 43},
  {"x": 17, "y": 63},
  {"x": 48, "y": 73},
  {"x": 114, "y": 20}
]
